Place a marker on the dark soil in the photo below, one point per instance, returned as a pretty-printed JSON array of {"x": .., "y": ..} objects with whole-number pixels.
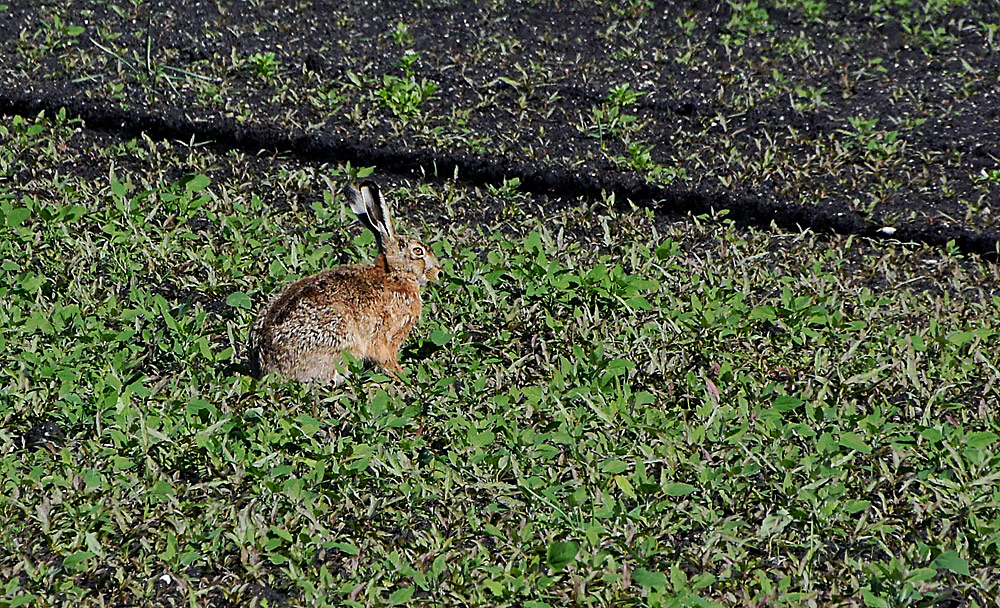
[{"x": 517, "y": 84}]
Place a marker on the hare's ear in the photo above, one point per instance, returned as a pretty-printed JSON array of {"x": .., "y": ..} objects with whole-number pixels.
[{"x": 367, "y": 204}]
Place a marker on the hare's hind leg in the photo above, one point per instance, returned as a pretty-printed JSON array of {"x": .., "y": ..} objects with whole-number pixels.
[{"x": 320, "y": 366}]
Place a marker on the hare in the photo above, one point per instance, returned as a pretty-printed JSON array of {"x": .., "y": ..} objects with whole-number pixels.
[{"x": 367, "y": 311}]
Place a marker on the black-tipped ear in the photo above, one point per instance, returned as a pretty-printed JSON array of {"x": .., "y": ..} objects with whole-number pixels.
[
  {"x": 367, "y": 204},
  {"x": 361, "y": 201},
  {"x": 379, "y": 209}
]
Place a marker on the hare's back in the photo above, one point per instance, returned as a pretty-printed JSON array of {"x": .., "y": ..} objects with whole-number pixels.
[
  {"x": 311, "y": 297},
  {"x": 324, "y": 306}
]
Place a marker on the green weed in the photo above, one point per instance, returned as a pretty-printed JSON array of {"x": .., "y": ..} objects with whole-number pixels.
[
  {"x": 405, "y": 96},
  {"x": 601, "y": 407}
]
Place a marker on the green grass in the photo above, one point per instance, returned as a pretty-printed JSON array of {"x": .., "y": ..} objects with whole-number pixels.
[{"x": 603, "y": 408}]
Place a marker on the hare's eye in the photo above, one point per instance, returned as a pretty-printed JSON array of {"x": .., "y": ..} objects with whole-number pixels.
[{"x": 418, "y": 251}]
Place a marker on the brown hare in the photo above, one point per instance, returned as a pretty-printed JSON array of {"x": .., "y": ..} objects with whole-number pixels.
[{"x": 365, "y": 310}]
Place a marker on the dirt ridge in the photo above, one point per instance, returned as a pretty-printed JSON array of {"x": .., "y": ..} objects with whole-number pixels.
[{"x": 746, "y": 209}]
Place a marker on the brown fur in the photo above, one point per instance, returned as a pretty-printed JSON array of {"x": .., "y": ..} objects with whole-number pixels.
[{"x": 367, "y": 311}]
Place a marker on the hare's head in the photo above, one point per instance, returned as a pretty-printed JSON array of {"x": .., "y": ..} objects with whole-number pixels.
[
  {"x": 415, "y": 257},
  {"x": 401, "y": 254}
]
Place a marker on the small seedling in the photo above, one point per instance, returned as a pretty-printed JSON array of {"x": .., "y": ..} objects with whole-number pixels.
[
  {"x": 264, "y": 65},
  {"x": 405, "y": 95}
]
